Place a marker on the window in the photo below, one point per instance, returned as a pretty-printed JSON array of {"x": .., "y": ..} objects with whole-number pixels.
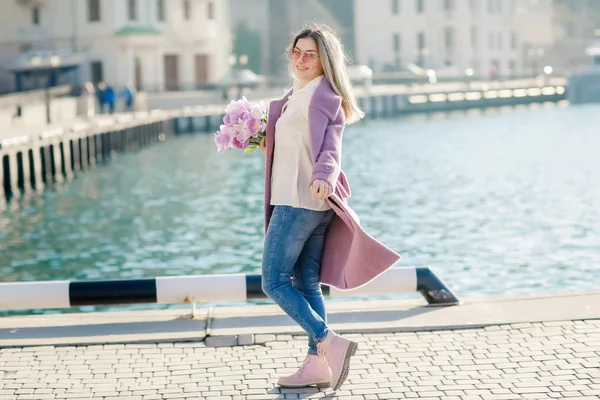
[
  {"x": 512, "y": 67},
  {"x": 449, "y": 5},
  {"x": 211, "y": 10},
  {"x": 499, "y": 40},
  {"x": 499, "y": 6},
  {"x": 35, "y": 16},
  {"x": 474, "y": 37},
  {"x": 420, "y": 6},
  {"x": 421, "y": 47},
  {"x": 474, "y": 6},
  {"x": 491, "y": 6},
  {"x": 187, "y": 12},
  {"x": 396, "y": 42},
  {"x": 449, "y": 38},
  {"x": 475, "y": 64},
  {"x": 491, "y": 41},
  {"x": 160, "y": 10},
  {"x": 421, "y": 40},
  {"x": 132, "y": 9},
  {"x": 513, "y": 40},
  {"x": 395, "y": 7},
  {"x": 93, "y": 10},
  {"x": 96, "y": 71}
]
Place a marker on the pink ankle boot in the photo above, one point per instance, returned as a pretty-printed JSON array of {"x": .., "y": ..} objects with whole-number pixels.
[
  {"x": 313, "y": 371},
  {"x": 337, "y": 351}
]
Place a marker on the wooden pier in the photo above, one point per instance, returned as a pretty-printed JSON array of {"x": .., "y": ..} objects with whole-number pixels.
[{"x": 30, "y": 160}]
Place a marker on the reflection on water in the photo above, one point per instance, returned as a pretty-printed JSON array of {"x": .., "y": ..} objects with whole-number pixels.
[{"x": 497, "y": 203}]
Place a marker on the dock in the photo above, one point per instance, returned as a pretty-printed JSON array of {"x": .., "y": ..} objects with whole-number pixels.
[
  {"x": 36, "y": 156},
  {"x": 508, "y": 347}
]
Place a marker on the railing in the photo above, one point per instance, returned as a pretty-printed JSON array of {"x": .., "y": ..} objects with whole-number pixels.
[
  {"x": 31, "y": 96},
  {"x": 202, "y": 288}
]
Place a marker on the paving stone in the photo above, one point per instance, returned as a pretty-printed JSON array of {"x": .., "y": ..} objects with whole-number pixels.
[
  {"x": 521, "y": 361},
  {"x": 245, "y": 340},
  {"x": 221, "y": 341}
]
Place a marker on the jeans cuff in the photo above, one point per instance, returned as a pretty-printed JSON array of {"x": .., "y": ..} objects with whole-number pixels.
[{"x": 322, "y": 336}]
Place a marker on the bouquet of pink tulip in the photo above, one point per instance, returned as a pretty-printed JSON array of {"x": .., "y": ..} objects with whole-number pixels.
[{"x": 244, "y": 125}]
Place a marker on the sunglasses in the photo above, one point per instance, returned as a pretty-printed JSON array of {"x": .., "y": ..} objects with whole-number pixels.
[{"x": 307, "y": 57}]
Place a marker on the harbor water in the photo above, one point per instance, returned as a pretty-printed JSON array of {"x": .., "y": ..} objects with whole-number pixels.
[{"x": 501, "y": 201}]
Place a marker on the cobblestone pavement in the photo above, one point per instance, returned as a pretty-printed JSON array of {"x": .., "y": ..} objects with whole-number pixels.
[{"x": 520, "y": 361}]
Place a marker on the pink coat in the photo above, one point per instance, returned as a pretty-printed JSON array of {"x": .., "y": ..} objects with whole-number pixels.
[{"x": 351, "y": 258}]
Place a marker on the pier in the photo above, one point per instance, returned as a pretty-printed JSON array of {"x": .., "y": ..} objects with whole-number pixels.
[
  {"x": 508, "y": 347},
  {"x": 34, "y": 157},
  {"x": 217, "y": 336}
]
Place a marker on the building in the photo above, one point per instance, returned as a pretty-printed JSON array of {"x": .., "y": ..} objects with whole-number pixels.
[
  {"x": 577, "y": 23},
  {"x": 450, "y": 35},
  {"x": 535, "y": 24},
  {"x": 150, "y": 44},
  {"x": 249, "y": 21},
  {"x": 558, "y": 42},
  {"x": 272, "y": 23},
  {"x": 343, "y": 11}
]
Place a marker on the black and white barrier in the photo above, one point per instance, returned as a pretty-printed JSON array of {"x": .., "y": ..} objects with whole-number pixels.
[{"x": 202, "y": 288}]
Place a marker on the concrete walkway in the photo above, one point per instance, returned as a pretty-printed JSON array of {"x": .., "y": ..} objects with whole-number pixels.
[{"x": 424, "y": 352}]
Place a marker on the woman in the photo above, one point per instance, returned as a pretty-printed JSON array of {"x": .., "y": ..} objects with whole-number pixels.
[{"x": 312, "y": 236}]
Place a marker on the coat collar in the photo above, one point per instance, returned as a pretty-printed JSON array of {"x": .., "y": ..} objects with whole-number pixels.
[
  {"x": 310, "y": 86},
  {"x": 324, "y": 98}
]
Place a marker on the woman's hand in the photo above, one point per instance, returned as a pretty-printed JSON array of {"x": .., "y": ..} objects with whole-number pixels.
[
  {"x": 320, "y": 190},
  {"x": 263, "y": 146}
]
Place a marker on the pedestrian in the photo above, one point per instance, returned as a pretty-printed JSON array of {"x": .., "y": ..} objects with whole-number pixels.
[
  {"x": 100, "y": 96},
  {"x": 312, "y": 235},
  {"x": 128, "y": 97},
  {"x": 110, "y": 98}
]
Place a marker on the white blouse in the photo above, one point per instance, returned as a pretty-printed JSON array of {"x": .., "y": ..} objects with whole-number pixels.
[{"x": 291, "y": 175}]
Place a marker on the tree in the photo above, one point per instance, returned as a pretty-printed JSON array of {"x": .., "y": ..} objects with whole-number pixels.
[{"x": 247, "y": 42}]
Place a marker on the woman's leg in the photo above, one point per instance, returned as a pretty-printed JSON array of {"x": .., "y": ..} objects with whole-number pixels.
[
  {"x": 288, "y": 231},
  {"x": 307, "y": 273}
]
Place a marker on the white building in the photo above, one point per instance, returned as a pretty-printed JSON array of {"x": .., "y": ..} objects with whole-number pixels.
[
  {"x": 152, "y": 44},
  {"x": 439, "y": 34},
  {"x": 538, "y": 34}
]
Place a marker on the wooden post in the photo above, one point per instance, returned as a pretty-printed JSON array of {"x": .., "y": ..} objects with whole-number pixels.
[
  {"x": 13, "y": 167},
  {"x": 37, "y": 166},
  {"x": 84, "y": 151},
  {"x": 26, "y": 169},
  {"x": 58, "y": 163},
  {"x": 67, "y": 158},
  {"x": 92, "y": 149}
]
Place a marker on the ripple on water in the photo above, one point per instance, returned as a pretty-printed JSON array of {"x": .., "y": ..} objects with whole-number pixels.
[{"x": 497, "y": 203}]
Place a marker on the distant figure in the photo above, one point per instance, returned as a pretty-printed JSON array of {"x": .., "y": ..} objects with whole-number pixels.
[
  {"x": 128, "y": 97},
  {"x": 100, "y": 96},
  {"x": 88, "y": 89},
  {"x": 88, "y": 99},
  {"x": 493, "y": 72},
  {"x": 110, "y": 98}
]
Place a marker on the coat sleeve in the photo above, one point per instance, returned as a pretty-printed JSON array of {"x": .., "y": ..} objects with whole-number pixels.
[{"x": 329, "y": 160}]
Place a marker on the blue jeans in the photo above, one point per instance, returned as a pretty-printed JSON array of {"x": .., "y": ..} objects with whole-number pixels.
[{"x": 292, "y": 264}]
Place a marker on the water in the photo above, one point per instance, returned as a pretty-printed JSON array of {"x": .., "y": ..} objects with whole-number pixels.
[{"x": 500, "y": 202}]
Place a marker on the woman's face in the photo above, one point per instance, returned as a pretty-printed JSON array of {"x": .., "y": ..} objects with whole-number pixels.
[{"x": 305, "y": 60}]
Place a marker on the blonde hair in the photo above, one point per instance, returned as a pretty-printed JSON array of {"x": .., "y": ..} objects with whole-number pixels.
[{"x": 333, "y": 61}]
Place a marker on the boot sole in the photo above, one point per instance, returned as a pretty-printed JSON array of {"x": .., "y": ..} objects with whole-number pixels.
[
  {"x": 320, "y": 385},
  {"x": 350, "y": 351}
]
